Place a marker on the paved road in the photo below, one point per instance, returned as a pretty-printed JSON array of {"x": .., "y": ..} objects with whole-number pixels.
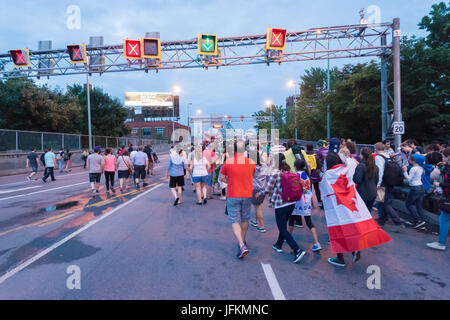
[{"x": 139, "y": 246}]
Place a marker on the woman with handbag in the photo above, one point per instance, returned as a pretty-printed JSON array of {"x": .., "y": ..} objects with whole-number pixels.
[{"x": 124, "y": 167}]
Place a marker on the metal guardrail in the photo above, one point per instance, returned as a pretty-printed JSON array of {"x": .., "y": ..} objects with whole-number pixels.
[{"x": 14, "y": 141}]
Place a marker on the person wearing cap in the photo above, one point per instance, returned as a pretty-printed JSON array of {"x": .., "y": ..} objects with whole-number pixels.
[
  {"x": 95, "y": 164},
  {"x": 333, "y": 147}
]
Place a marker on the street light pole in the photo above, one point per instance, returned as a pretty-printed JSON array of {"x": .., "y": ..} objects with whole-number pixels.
[
  {"x": 89, "y": 112},
  {"x": 328, "y": 89}
]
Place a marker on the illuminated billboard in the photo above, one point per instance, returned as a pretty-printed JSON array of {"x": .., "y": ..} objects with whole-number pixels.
[{"x": 149, "y": 99}]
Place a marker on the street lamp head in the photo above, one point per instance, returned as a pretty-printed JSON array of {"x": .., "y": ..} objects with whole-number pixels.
[
  {"x": 268, "y": 103},
  {"x": 198, "y": 111},
  {"x": 176, "y": 89},
  {"x": 291, "y": 83}
]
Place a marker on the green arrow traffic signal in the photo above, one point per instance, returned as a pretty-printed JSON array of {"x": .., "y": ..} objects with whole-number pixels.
[{"x": 207, "y": 44}]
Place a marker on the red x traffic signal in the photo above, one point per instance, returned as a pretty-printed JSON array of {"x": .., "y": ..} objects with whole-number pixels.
[
  {"x": 20, "y": 57},
  {"x": 77, "y": 53},
  {"x": 276, "y": 39},
  {"x": 132, "y": 49}
]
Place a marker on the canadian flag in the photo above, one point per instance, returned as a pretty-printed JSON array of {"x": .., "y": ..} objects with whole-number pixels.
[{"x": 350, "y": 224}]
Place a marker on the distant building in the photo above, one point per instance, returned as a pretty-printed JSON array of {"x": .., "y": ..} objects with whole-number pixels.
[
  {"x": 153, "y": 129},
  {"x": 151, "y": 114}
]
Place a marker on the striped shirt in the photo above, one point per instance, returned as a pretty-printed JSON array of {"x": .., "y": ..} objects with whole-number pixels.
[{"x": 273, "y": 188}]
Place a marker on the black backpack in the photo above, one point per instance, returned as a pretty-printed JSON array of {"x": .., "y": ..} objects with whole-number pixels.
[{"x": 393, "y": 173}]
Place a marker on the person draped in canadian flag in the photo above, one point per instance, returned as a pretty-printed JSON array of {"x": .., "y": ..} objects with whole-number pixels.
[{"x": 350, "y": 225}]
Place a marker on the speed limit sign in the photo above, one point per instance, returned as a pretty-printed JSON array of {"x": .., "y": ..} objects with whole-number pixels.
[{"x": 398, "y": 127}]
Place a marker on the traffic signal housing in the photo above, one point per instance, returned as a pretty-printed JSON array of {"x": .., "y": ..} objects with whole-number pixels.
[
  {"x": 151, "y": 48},
  {"x": 20, "y": 57},
  {"x": 132, "y": 49},
  {"x": 275, "y": 39},
  {"x": 207, "y": 44},
  {"x": 77, "y": 53}
]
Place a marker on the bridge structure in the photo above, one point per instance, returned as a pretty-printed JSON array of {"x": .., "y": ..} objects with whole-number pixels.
[{"x": 323, "y": 43}]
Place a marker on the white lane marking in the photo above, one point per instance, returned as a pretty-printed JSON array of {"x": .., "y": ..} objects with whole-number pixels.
[
  {"x": 47, "y": 190},
  {"x": 273, "y": 282},
  {"x": 15, "y": 190},
  {"x": 22, "y": 266},
  {"x": 59, "y": 176}
]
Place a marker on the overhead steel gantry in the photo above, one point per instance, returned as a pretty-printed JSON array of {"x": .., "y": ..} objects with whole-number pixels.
[
  {"x": 313, "y": 44},
  {"x": 351, "y": 41}
]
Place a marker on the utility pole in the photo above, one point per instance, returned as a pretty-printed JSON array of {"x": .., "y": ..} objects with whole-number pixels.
[
  {"x": 397, "y": 87},
  {"x": 384, "y": 97}
]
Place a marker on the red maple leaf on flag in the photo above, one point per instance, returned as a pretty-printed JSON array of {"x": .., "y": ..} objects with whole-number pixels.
[{"x": 344, "y": 193}]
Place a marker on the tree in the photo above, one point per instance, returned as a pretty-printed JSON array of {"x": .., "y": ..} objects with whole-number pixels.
[
  {"x": 438, "y": 25},
  {"x": 25, "y": 106},
  {"x": 107, "y": 114},
  {"x": 279, "y": 116}
]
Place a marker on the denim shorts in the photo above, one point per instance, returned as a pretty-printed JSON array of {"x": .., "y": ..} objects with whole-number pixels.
[
  {"x": 34, "y": 168},
  {"x": 239, "y": 209},
  {"x": 203, "y": 179},
  {"x": 94, "y": 177}
]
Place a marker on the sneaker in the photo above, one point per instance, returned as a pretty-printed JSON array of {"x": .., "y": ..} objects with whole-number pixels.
[
  {"x": 145, "y": 184},
  {"x": 277, "y": 249},
  {"x": 242, "y": 252},
  {"x": 262, "y": 230},
  {"x": 436, "y": 245},
  {"x": 298, "y": 225},
  {"x": 44, "y": 180},
  {"x": 253, "y": 223},
  {"x": 28, "y": 178},
  {"x": 176, "y": 201},
  {"x": 336, "y": 262},
  {"x": 199, "y": 203},
  {"x": 205, "y": 201},
  {"x": 316, "y": 247},
  {"x": 419, "y": 224},
  {"x": 300, "y": 254},
  {"x": 137, "y": 187},
  {"x": 356, "y": 256}
]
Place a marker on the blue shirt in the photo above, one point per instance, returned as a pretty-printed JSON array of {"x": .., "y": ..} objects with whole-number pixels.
[
  {"x": 139, "y": 158},
  {"x": 176, "y": 166},
  {"x": 49, "y": 156}
]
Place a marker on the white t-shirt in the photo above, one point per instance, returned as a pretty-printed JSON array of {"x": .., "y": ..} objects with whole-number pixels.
[{"x": 199, "y": 167}]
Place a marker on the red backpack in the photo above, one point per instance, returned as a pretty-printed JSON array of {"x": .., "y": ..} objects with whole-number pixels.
[{"x": 291, "y": 187}]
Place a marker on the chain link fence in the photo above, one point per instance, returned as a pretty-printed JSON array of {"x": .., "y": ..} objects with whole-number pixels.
[{"x": 16, "y": 141}]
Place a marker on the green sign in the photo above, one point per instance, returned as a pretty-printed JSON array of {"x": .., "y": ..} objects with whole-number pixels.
[{"x": 207, "y": 44}]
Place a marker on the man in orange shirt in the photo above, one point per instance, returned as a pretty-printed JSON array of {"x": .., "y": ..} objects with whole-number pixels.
[{"x": 238, "y": 173}]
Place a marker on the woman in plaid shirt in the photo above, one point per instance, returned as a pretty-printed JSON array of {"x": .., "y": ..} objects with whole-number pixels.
[{"x": 283, "y": 210}]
